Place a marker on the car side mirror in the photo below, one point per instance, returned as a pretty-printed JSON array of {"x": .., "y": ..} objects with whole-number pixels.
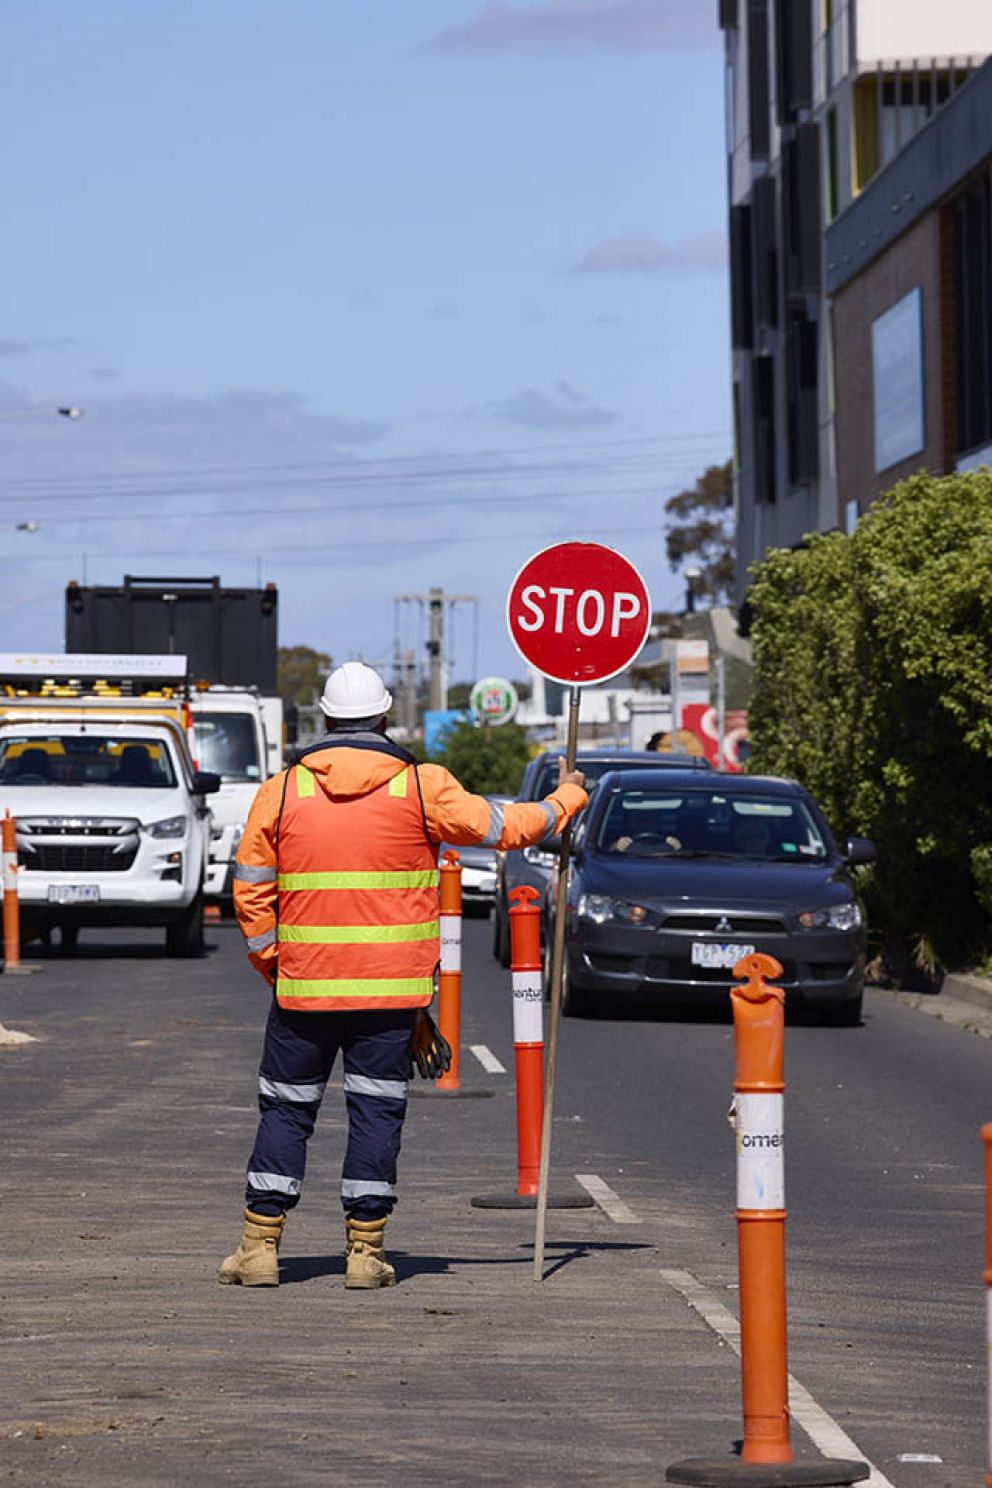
[
  {"x": 860, "y": 850},
  {"x": 205, "y": 783}
]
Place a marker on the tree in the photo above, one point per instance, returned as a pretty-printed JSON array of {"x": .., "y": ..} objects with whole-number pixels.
[
  {"x": 302, "y": 673},
  {"x": 873, "y": 686},
  {"x": 700, "y": 532},
  {"x": 487, "y": 760}
]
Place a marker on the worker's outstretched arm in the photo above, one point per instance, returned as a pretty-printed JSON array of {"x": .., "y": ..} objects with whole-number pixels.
[
  {"x": 255, "y": 887},
  {"x": 455, "y": 815}
]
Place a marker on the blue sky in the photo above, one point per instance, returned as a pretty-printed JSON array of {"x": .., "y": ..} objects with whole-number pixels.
[{"x": 365, "y": 296}]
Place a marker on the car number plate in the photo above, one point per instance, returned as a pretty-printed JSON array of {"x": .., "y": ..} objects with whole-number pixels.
[
  {"x": 73, "y": 893},
  {"x": 718, "y": 957}
]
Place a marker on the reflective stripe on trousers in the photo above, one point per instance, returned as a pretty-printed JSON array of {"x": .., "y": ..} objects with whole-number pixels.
[{"x": 297, "y": 1059}]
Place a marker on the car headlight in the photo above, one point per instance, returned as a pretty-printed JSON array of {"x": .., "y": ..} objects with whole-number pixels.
[
  {"x": 172, "y": 826},
  {"x": 539, "y": 857},
  {"x": 837, "y": 917},
  {"x": 601, "y": 910}
]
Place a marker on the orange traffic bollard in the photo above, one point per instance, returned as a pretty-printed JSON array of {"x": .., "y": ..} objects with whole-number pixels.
[
  {"x": 528, "y": 1050},
  {"x": 11, "y": 904},
  {"x": 766, "y": 1453},
  {"x": 449, "y": 996},
  {"x": 759, "y": 1028},
  {"x": 987, "y": 1277},
  {"x": 528, "y": 1032}
]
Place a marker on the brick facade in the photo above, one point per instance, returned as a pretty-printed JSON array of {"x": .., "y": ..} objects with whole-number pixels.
[{"x": 920, "y": 259}]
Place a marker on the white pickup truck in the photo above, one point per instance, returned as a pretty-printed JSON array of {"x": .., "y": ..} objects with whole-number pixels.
[{"x": 113, "y": 826}]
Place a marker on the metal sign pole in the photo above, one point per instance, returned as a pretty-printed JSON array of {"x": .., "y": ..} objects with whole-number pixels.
[{"x": 554, "y": 1011}]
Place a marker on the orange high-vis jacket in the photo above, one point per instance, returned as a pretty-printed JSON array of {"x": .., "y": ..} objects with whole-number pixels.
[{"x": 336, "y": 881}]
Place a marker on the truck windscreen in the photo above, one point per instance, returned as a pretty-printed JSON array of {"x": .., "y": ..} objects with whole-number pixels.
[
  {"x": 85, "y": 759},
  {"x": 227, "y": 743}
]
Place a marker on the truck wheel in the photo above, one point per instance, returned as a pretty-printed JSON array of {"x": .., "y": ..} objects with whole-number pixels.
[{"x": 184, "y": 937}]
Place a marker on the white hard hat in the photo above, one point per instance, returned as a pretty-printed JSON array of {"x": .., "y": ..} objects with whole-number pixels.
[{"x": 355, "y": 691}]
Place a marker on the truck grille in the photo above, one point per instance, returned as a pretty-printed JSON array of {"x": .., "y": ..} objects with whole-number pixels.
[{"x": 77, "y": 858}]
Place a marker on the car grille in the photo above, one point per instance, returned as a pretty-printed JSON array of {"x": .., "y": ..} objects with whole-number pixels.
[
  {"x": 77, "y": 826},
  {"x": 725, "y": 924},
  {"x": 78, "y": 858},
  {"x": 678, "y": 969}
]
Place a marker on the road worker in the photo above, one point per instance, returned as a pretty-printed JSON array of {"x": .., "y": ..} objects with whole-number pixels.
[{"x": 336, "y": 890}]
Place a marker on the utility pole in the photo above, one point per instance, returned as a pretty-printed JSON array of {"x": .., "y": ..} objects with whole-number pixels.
[{"x": 435, "y": 600}]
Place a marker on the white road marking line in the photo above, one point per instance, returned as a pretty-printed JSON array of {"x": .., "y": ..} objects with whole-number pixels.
[
  {"x": 488, "y": 1059},
  {"x": 918, "y": 1457},
  {"x": 821, "y": 1428},
  {"x": 610, "y": 1202}
]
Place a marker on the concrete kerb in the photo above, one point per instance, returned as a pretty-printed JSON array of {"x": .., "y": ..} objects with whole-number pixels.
[{"x": 968, "y": 986}]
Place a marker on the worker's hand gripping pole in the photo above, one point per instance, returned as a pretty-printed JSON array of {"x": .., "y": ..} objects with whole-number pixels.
[
  {"x": 759, "y": 1027},
  {"x": 528, "y": 1031},
  {"x": 987, "y": 1139},
  {"x": 449, "y": 995},
  {"x": 557, "y": 961},
  {"x": 11, "y": 903}
]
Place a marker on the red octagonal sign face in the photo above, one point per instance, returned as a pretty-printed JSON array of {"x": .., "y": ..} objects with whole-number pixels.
[{"x": 578, "y": 612}]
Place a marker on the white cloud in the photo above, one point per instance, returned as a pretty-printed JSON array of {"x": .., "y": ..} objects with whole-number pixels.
[
  {"x": 566, "y": 409},
  {"x": 641, "y": 254},
  {"x": 571, "y": 25}
]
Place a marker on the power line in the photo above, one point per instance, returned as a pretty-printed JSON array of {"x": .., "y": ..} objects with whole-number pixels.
[{"x": 386, "y": 462}]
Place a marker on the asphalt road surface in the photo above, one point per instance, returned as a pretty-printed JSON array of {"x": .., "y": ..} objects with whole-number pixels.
[{"x": 127, "y": 1124}]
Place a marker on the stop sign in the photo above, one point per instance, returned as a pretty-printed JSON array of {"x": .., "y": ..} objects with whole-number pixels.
[{"x": 578, "y": 612}]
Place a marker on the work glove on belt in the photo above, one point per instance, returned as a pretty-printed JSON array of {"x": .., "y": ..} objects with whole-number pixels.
[{"x": 430, "y": 1052}]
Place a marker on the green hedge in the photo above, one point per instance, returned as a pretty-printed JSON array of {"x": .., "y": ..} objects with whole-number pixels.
[{"x": 873, "y": 686}]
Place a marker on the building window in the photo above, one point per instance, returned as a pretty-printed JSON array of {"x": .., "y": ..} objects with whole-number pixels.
[
  {"x": 793, "y": 57},
  {"x": 741, "y": 317},
  {"x": 801, "y": 399},
  {"x": 972, "y": 217},
  {"x": 802, "y": 209},
  {"x": 897, "y": 381},
  {"x": 833, "y": 193},
  {"x": 765, "y": 259},
  {"x": 758, "y": 94},
  {"x": 763, "y": 413},
  {"x": 728, "y": 15},
  {"x": 889, "y": 108}
]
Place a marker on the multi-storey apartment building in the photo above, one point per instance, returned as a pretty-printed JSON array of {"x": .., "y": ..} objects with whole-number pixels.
[{"x": 822, "y": 95}]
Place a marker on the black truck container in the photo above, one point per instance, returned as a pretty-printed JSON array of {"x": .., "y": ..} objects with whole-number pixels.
[{"x": 229, "y": 635}]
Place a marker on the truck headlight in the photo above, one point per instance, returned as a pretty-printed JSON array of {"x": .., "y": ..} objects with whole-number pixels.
[
  {"x": 540, "y": 857},
  {"x": 837, "y": 917},
  {"x": 172, "y": 826}
]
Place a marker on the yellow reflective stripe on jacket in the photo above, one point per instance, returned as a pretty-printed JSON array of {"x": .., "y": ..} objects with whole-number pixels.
[
  {"x": 304, "y": 782},
  {"x": 397, "y": 786},
  {"x": 418, "y": 878},
  {"x": 348, "y": 987},
  {"x": 353, "y": 934}
]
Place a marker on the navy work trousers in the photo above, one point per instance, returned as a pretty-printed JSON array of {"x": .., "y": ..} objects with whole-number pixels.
[{"x": 297, "y": 1058}]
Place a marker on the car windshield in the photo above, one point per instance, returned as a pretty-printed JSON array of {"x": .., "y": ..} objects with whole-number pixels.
[
  {"x": 85, "y": 759},
  {"x": 592, "y": 769},
  {"x": 710, "y": 823},
  {"x": 227, "y": 744}
]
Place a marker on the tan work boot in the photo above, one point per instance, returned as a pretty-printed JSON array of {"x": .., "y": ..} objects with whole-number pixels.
[
  {"x": 367, "y": 1266},
  {"x": 256, "y": 1260}
]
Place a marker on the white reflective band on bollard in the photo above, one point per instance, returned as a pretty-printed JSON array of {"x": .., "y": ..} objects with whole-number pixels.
[
  {"x": 451, "y": 942},
  {"x": 988, "y": 1352},
  {"x": 760, "y": 1151},
  {"x": 528, "y": 1008},
  {"x": 10, "y": 870}
]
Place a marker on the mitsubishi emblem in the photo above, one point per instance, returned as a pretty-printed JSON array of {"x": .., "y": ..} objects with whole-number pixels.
[{"x": 723, "y": 925}]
